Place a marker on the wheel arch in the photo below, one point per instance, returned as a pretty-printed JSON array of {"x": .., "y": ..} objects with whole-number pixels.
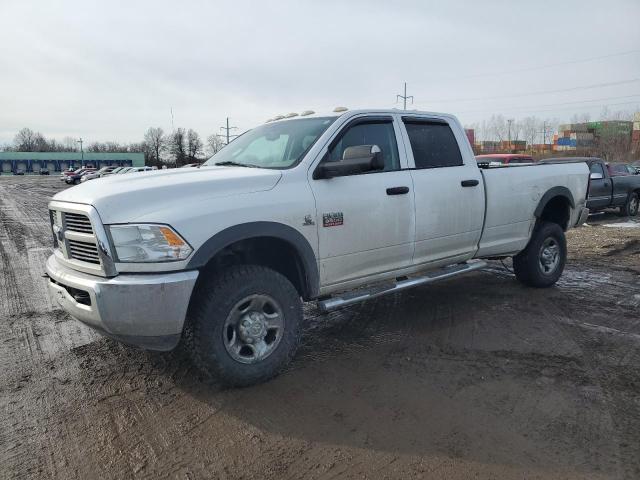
[
  {"x": 306, "y": 277},
  {"x": 555, "y": 206}
]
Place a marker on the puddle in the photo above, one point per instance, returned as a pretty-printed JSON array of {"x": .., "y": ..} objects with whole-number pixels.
[
  {"x": 583, "y": 279},
  {"x": 629, "y": 224}
]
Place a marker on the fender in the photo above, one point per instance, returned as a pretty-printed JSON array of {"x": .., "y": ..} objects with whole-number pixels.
[
  {"x": 552, "y": 193},
  {"x": 246, "y": 231}
]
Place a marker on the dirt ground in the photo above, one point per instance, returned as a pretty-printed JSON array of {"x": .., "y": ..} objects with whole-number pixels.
[{"x": 477, "y": 377}]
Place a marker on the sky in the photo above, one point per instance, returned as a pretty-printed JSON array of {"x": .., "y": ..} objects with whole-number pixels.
[{"x": 109, "y": 70}]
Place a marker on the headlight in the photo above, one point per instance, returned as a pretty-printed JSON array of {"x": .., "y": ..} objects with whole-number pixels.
[{"x": 148, "y": 243}]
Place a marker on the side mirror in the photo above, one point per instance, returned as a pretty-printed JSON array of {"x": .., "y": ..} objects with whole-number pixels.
[
  {"x": 356, "y": 159},
  {"x": 596, "y": 176}
]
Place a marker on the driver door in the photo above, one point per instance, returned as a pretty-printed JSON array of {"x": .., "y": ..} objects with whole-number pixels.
[{"x": 365, "y": 221}]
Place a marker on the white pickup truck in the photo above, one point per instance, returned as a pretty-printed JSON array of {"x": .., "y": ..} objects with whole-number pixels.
[{"x": 335, "y": 208}]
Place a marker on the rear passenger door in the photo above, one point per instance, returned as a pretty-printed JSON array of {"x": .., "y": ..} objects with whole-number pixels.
[{"x": 449, "y": 192}]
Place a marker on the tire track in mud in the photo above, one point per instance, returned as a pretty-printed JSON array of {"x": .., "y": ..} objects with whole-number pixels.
[{"x": 474, "y": 377}]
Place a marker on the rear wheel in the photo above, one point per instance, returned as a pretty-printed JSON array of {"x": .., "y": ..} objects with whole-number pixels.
[
  {"x": 542, "y": 262},
  {"x": 244, "y": 326},
  {"x": 630, "y": 209}
]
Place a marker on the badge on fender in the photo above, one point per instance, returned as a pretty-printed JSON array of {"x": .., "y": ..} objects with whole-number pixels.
[{"x": 332, "y": 219}]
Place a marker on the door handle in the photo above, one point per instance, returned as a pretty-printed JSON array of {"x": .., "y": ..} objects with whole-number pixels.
[
  {"x": 469, "y": 183},
  {"x": 397, "y": 190}
]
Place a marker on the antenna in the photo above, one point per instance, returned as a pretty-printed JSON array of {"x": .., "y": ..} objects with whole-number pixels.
[{"x": 172, "y": 126}]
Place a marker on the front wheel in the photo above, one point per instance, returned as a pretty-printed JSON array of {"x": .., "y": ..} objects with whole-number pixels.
[
  {"x": 542, "y": 262},
  {"x": 244, "y": 325}
]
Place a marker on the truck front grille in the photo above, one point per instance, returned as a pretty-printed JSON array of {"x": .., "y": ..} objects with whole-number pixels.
[
  {"x": 77, "y": 222},
  {"x": 80, "y": 239},
  {"x": 83, "y": 251}
]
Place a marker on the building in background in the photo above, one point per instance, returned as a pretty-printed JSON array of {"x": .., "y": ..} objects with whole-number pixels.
[
  {"x": 471, "y": 135},
  {"x": 33, "y": 162}
]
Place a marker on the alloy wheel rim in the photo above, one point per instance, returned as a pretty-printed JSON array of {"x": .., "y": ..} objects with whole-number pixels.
[
  {"x": 633, "y": 205},
  {"x": 549, "y": 257},
  {"x": 253, "y": 329}
]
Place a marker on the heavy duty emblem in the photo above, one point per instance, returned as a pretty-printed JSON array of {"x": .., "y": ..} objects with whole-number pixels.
[{"x": 332, "y": 219}]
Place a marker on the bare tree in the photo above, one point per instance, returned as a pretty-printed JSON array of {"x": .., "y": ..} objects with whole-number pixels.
[
  {"x": 498, "y": 128},
  {"x": 25, "y": 140},
  {"x": 70, "y": 144},
  {"x": 530, "y": 128},
  {"x": 177, "y": 146},
  {"x": 214, "y": 143},
  {"x": 194, "y": 145},
  {"x": 156, "y": 143}
]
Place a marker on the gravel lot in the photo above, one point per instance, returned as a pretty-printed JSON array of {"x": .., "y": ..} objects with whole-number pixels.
[{"x": 476, "y": 377}]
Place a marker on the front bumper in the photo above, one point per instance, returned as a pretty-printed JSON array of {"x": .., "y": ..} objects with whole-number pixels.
[{"x": 145, "y": 310}]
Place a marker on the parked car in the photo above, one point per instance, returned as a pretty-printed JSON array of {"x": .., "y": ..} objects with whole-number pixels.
[
  {"x": 299, "y": 209},
  {"x": 44, "y": 171},
  {"x": 113, "y": 172},
  {"x": 76, "y": 177},
  {"x": 504, "y": 159},
  {"x": 18, "y": 171},
  {"x": 617, "y": 169},
  {"x": 606, "y": 190},
  {"x": 125, "y": 170},
  {"x": 97, "y": 174},
  {"x": 69, "y": 171}
]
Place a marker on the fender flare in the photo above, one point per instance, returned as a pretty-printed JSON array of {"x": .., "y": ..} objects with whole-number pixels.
[
  {"x": 245, "y": 231},
  {"x": 551, "y": 194}
]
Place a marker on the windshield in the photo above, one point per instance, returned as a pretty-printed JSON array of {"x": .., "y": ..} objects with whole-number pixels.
[{"x": 273, "y": 145}]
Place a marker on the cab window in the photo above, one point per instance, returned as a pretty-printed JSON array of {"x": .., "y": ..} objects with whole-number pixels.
[
  {"x": 597, "y": 168},
  {"x": 380, "y": 133},
  {"x": 433, "y": 144}
]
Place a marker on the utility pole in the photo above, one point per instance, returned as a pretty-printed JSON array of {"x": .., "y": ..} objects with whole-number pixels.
[
  {"x": 509, "y": 122},
  {"x": 81, "y": 152},
  {"x": 405, "y": 97},
  {"x": 227, "y": 129}
]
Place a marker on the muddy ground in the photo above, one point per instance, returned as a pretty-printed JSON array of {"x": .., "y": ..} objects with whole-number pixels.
[{"x": 478, "y": 377}]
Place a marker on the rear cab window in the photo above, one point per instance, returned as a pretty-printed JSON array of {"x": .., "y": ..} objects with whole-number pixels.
[{"x": 433, "y": 143}]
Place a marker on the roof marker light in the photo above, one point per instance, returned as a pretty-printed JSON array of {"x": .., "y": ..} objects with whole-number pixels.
[
  {"x": 340, "y": 109},
  {"x": 307, "y": 112},
  {"x": 291, "y": 115}
]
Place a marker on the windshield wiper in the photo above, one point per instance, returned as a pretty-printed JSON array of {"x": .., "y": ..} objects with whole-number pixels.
[{"x": 230, "y": 163}]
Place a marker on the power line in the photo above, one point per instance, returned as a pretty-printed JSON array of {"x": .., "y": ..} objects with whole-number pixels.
[
  {"x": 497, "y": 110},
  {"x": 542, "y": 67},
  {"x": 541, "y": 92},
  {"x": 559, "y": 104}
]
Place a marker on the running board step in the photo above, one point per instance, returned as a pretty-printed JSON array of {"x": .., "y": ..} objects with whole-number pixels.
[{"x": 432, "y": 277}]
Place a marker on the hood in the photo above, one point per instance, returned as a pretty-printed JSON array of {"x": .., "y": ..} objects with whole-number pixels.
[{"x": 124, "y": 198}]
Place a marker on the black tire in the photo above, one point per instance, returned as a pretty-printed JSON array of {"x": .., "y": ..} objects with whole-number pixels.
[
  {"x": 630, "y": 209},
  {"x": 217, "y": 300},
  {"x": 533, "y": 266}
]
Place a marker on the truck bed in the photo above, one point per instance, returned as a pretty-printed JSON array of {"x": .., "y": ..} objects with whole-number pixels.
[{"x": 512, "y": 194}]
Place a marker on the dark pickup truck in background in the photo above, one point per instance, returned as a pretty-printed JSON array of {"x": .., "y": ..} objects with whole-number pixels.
[{"x": 606, "y": 190}]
